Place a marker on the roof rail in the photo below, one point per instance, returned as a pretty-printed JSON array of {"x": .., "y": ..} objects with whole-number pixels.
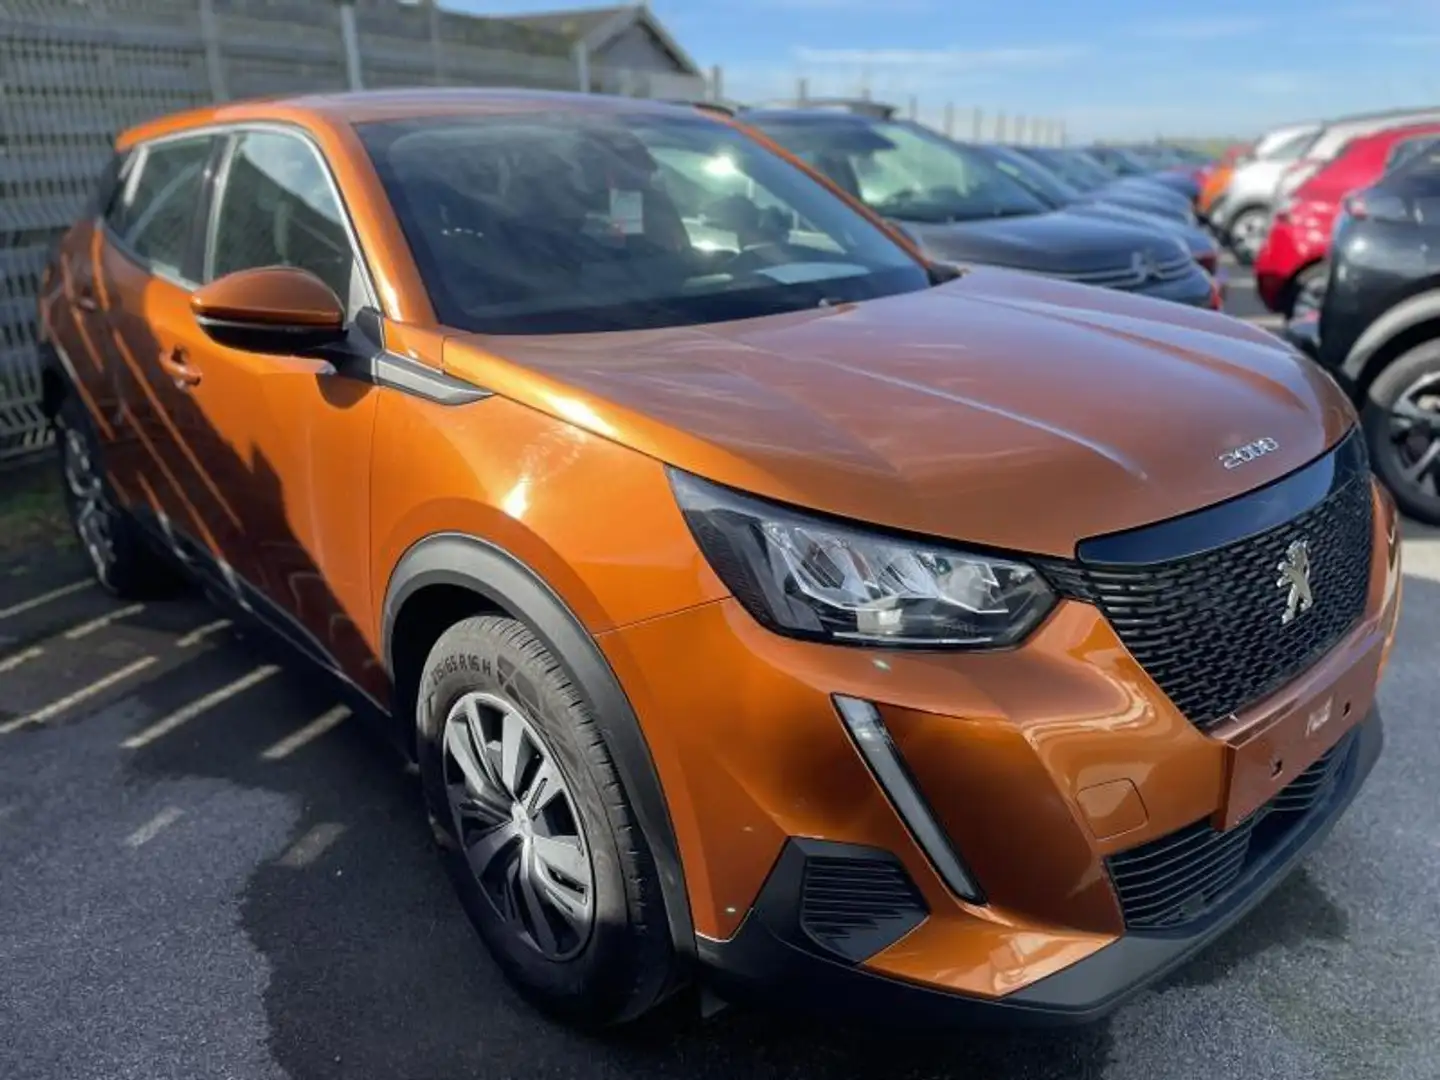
[
  {"x": 862, "y": 106},
  {"x": 721, "y": 107}
]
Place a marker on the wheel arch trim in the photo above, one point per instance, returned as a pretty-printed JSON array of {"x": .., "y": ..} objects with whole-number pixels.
[
  {"x": 465, "y": 561},
  {"x": 1420, "y": 308}
]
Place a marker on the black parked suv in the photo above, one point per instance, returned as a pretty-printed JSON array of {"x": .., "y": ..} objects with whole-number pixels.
[
  {"x": 959, "y": 207},
  {"x": 1377, "y": 327}
]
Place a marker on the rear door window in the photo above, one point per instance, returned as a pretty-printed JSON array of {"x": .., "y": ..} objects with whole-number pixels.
[{"x": 154, "y": 213}]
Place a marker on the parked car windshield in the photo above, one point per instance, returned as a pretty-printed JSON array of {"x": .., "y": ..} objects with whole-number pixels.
[
  {"x": 902, "y": 171},
  {"x": 1409, "y": 150},
  {"x": 1119, "y": 162},
  {"x": 1074, "y": 167},
  {"x": 561, "y": 222},
  {"x": 1040, "y": 180}
]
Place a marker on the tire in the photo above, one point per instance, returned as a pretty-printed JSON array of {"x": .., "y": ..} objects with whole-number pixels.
[
  {"x": 1409, "y": 384},
  {"x": 121, "y": 560},
  {"x": 1236, "y": 234},
  {"x": 621, "y": 962},
  {"x": 1311, "y": 278}
]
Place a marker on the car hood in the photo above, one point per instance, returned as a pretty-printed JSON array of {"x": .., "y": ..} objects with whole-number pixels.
[
  {"x": 1145, "y": 201},
  {"x": 999, "y": 409},
  {"x": 1051, "y": 243},
  {"x": 1195, "y": 239}
]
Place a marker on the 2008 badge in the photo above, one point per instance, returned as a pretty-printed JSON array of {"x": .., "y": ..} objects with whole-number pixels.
[{"x": 1243, "y": 455}]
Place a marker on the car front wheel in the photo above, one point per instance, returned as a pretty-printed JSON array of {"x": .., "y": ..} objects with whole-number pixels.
[
  {"x": 535, "y": 828},
  {"x": 1402, "y": 425},
  {"x": 1247, "y": 234}
]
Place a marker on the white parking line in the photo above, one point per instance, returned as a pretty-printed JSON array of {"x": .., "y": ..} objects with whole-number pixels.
[
  {"x": 184, "y": 715},
  {"x": 196, "y": 636},
  {"x": 55, "y": 708},
  {"x": 10, "y": 663},
  {"x": 147, "y": 832},
  {"x": 77, "y": 632},
  {"x": 312, "y": 845},
  {"x": 1267, "y": 321},
  {"x": 307, "y": 734},
  {"x": 44, "y": 598}
]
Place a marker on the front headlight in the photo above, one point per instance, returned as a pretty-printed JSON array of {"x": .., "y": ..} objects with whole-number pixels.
[{"x": 808, "y": 577}]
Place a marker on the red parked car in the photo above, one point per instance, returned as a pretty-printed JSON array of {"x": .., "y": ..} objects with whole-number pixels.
[{"x": 1293, "y": 258}]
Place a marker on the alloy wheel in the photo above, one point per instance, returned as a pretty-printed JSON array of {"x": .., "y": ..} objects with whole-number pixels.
[
  {"x": 1415, "y": 434},
  {"x": 90, "y": 505},
  {"x": 1247, "y": 235},
  {"x": 516, "y": 821}
]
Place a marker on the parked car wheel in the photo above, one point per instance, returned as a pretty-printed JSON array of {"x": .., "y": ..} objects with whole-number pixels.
[
  {"x": 1402, "y": 424},
  {"x": 1307, "y": 291},
  {"x": 536, "y": 830},
  {"x": 123, "y": 563},
  {"x": 1246, "y": 234}
]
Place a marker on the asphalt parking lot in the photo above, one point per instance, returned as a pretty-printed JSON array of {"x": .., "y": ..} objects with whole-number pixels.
[{"x": 207, "y": 869}]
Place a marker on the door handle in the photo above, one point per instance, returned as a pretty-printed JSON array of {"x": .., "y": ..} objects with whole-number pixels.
[
  {"x": 172, "y": 362},
  {"x": 85, "y": 299}
]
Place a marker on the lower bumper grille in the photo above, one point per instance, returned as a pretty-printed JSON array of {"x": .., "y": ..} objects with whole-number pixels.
[
  {"x": 1180, "y": 878},
  {"x": 854, "y": 907}
]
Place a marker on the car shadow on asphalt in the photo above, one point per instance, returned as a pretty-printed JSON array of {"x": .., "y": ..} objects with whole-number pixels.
[{"x": 375, "y": 970}]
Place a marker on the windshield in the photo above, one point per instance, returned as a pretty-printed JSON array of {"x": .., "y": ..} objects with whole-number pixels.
[
  {"x": 586, "y": 221},
  {"x": 1041, "y": 182},
  {"x": 1076, "y": 168},
  {"x": 1291, "y": 148},
  {"x": 1118, "y": 161},
  {"x": 1402, "y": 153},
  {"x": 903, "y": 172}
]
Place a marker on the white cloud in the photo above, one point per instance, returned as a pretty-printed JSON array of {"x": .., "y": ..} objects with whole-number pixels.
[
  {"x": 1044, "y": 56},
  {"x": 1198, "y": 29}
]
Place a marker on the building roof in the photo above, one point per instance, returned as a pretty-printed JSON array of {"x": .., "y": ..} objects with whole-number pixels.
[{"x": 597, "y": 27}]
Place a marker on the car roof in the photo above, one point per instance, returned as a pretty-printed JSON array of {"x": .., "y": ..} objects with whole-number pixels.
[{"x": 362, "y": 106}]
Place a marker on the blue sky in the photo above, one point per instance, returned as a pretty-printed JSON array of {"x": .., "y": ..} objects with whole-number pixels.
[{"x": 1108, "y": 68}]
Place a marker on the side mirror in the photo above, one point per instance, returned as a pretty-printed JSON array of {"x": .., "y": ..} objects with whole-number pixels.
[{"x": 270, "y": 309}]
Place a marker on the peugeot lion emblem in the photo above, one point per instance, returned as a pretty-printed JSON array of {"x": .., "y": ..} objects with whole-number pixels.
[
  {"x": 1295, "y": 576},
  {"x": 1143, "y": 265}
]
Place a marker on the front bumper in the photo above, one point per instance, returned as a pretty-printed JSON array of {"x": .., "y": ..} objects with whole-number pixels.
[
  {"x": 1195, "y": 289},
  {"x": 772, "y": 960},
  {"x": 1042, "y": 765}
]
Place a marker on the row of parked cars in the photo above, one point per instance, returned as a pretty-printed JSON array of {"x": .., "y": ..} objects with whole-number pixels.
[
  {"x": 1104, "y": 216},
  {"x": 1340, "y": 221}
]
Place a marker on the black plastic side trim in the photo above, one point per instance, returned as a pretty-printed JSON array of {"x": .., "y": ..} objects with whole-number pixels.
[
  {"x": 765, "y": 962},
  {"x": 368, "y": 359},
  {"x": 475, "y": 564},
  {"x": 1228, "y": 522}
]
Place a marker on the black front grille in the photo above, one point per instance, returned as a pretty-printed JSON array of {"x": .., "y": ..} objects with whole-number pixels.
[
  {"x": 1180, "y": 878},
  {"x": 1208, "y": 628},
  {"x": 856, "y": 906}
]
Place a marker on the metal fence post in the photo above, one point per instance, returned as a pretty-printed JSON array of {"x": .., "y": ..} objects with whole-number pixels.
[
  {"x": 351, "y": 40},
  {"x": 717, "y": 83},
  {"x": 582, "y": 66},
  {"x": 437, "y": 53},
  {"x": 214, "y": 64},
  {"x": 802, "y": 89}
]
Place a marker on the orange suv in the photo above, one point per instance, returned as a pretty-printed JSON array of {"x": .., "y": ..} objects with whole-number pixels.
[{"x": 765, "y": 606}]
